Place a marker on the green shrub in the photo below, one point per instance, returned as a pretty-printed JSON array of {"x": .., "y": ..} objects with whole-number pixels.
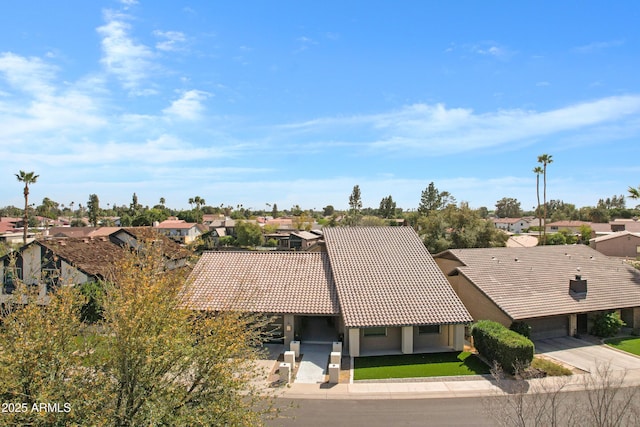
[
  {"x": 498, "y": 344},
  {"x": 607, "y": 324},
  {"x": 523, "y": 328}
]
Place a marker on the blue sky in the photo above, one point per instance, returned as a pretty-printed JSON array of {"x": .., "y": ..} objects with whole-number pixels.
[{"x": 295, "y": 102}]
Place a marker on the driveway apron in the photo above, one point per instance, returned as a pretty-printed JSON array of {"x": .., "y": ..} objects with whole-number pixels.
[{"x": 585, "y": 355}]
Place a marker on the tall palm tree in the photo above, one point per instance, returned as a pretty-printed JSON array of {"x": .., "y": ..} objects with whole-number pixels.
[
  {"x": 538, "y": 170},
  {"x": 634, "y": 193},
  {"x": 544, "y": 159},
  {"x": 28, "y": 178}
]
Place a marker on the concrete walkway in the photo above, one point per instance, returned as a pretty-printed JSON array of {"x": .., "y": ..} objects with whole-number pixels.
[
  {"x": 438, "y": 389},
  {"x": 313, "y": 367},
  {"x": 309, "y": 383}
]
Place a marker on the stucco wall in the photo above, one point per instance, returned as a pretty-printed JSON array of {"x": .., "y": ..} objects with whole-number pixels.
[
  {"x": 622, "y": 246},
  {"x": 425, "y": 341},
  {"x": 392, "y": 341},
  {"x": 71, "y": 276},
  {"x": 31, "y": 264},
  {"x": 478, "y": 304}
]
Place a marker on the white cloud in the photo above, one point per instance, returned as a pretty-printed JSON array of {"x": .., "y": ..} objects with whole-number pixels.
[
  {"x": 597, "y": 46},
  {"x": 30, "y": 75},
  {"x": 188, "y": 106},
  {"x": 171, "y": 41},
  {"x": 433, "y": 130},
  {"x": 129, "y": 61}
]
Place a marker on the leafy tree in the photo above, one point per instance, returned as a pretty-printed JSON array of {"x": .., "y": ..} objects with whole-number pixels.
[
  {"x": 615, "y": 202},
  {"x": 586, "y": 233},
  {"x": 483, "y": 212},
  {"x": 248, "y": 234},
  {"x": 559, "y": 210},
  {"x": 41, "y": 361},
  {"x": 432, "y": 199},
  {"x": 508, "y": 207},
  {"x": 544, "y": 159},
  {"x": 226, "y": 241},
  {"x": 91, "y": 310},
  {"x": 193, "y": 215},
  {"x": 372, "y": 221},
  {"x": 328, "y": 210},
  {"x": 170, "y": 366},
  {"x": 387, "y": 207},
  {"x": 458, "y": 227},
  {"x": 93, "y": 207},
  {"x": 148, "y": 217},
  {"x": 134, "y": 207},
  {"x": 274, "y": 211},
  {"x": 48, "y": 208},
  {"x": 607, "y": 324},
  {"x": 28, "y": 178},
  {"x": 599, "y": 214},
  {"x": 355, "y": 207}
]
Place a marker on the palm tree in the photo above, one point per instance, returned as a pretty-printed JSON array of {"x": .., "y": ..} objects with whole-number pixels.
[
  {"x": 27, "y": 178},
  {"x": 538, "y": 170},
  {"x": 634, "y": 193},
  {"x": 162, "y": 201},
  {"x": 545, "y": 159}
]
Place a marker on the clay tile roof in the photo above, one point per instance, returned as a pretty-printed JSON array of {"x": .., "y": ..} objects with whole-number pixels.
[
  {"x": 386, "y": 277},
  {"x": 537, "y": 284},
  {"x": 267, "y": 282},
  {"x": 94, "y": 257}
]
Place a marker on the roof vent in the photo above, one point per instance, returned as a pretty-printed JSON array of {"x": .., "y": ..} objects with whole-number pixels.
[{"x": 516, "y": 260}]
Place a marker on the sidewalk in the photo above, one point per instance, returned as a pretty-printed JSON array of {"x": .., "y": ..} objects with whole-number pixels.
[{"x": 435, "y": 389}]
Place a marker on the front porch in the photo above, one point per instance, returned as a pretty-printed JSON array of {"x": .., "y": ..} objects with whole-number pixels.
[{"x": 404, "y": 340}]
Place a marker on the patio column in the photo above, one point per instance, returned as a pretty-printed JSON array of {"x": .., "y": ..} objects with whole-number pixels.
[
  {"x": 354, "y": 342},
  {"x": 407, "y": 339},
  {"x": 458, "y": 337},
  {"x": 573, "y": 325},
  {"x": 289, "y": 329}
]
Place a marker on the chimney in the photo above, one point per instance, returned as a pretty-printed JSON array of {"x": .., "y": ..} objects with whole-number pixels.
[{"x": 578, "y": 285}]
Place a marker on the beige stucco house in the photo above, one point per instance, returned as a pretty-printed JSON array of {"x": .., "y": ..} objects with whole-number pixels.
[
  {"x": 619, "y": 244},
  {"x": 555, "y": 289},
  {"x": 376, "y": 288}
]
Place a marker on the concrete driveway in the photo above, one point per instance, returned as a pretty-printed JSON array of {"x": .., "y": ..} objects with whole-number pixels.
[{"x": 585, "y": 355}]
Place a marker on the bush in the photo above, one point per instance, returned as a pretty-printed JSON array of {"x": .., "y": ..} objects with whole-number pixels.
[
  {"x": 498, "y": 344},
  {"x": 523, "y": 328},
  {"x": 607, "y": 324}
]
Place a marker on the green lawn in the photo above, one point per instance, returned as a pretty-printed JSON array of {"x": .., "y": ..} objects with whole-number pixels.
[
  {"x": 418, "y": 365},
  {"x": 628, "y": 344}
]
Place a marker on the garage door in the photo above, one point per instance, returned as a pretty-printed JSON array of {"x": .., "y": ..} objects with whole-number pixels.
[{"x": 549, "y": 327}]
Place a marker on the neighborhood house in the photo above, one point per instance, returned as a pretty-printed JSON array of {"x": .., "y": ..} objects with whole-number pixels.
[
  {"x": 557, "y": 290},
  {"x": 375, "y": 288}
]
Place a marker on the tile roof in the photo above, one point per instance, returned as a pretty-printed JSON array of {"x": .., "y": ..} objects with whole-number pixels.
[
  {"x": 506, "y": 220},
  {"x": 613, "y": 235},
  {"x": 267, "y": 282},
  {"x": 306, "y": 235},
  {"x": 386, "y": 277},
  {"x": 567, "y": 223},
  {"x": 534, "y": 282},
  {"x": 176, "y": 224},
  {"x": 94, "y": 257}
]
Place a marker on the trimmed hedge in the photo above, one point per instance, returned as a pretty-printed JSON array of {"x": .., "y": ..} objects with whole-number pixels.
[{"x": 498, "y": 344}]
